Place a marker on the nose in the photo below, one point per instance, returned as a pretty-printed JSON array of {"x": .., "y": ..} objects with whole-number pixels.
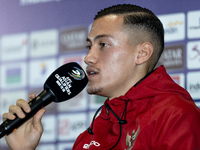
[{"x": 91, "y": 57}]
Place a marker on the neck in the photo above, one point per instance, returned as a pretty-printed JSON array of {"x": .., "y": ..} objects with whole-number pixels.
[{"x": 137, "y": 78}]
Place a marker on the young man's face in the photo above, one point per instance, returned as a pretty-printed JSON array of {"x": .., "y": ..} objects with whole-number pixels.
[{"x": 111, "y": 58}]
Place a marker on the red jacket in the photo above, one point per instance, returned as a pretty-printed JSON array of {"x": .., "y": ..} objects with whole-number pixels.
[{"x": 157, "y": 114}]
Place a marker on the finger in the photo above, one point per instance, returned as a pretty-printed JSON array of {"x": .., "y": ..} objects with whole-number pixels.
[
  {"x": 24, "y": 105},
  {"x": 31, "y": 97},
  {"x": 16, "y": 110},
  {"x": 8, "y": 116}
]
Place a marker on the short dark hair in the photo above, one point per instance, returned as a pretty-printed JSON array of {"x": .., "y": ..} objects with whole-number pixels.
[{"x": 142, "y": 19}]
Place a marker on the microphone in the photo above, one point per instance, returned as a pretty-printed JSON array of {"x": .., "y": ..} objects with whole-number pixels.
[{"x": 64, "y": 83}]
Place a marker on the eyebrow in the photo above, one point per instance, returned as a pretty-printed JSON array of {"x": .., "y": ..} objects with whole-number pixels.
[{"x": 99, "y": 36}]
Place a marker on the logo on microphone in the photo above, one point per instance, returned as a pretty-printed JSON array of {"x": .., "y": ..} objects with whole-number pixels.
[{"x": 77, "y": 74}]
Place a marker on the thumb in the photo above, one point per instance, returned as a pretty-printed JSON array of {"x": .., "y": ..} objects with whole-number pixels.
[{"x": 37, "y": 120}]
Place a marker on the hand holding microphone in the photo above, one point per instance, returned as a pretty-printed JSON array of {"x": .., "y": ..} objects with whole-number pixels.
[{"x": 63, "y": 84}]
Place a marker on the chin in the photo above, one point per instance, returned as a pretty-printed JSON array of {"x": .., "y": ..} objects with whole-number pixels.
[{"x": 93, "y": 90}]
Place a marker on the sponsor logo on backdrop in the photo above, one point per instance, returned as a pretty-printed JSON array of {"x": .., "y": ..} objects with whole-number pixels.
[
  {"x": 179, "y": 79},
  {"x": 44, "y": 43},
  {"x": 172, "y": 57},
  {"x": 174, "y": 26},
  {"x": 13, "y": 75},
  {"x": 73, "y": 39},
  {"x": 71, "y": 125},
  {"x": 39, "y": 71},
  {"x": 193, "y": 55},
  {"x": 14, "y": 47},
  {"x": 193, "y": 84},
  {"x": 193, "y": 24}
]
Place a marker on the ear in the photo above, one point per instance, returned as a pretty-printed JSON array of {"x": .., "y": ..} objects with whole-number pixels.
[{"x": 144, "y": 53}]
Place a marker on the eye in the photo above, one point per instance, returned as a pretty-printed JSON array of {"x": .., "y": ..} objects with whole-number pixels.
[
  {"x": 103, "y": 44},
  {"x": 88, "y": 47}
]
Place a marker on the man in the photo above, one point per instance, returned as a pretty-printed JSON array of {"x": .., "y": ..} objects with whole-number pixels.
[{"x": 144, "y": 109}]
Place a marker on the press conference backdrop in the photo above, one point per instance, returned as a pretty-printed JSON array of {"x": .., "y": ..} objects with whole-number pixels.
[{"x": 37, "y": 36}]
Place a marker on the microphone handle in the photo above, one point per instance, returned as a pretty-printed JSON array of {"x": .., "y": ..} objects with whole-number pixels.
[{"x": 43, "y": 99}]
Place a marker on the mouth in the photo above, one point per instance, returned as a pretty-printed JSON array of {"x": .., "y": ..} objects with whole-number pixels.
[{"x": 91, "y": 72}]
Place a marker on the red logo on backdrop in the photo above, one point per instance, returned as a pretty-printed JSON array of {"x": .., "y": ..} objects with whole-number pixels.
[
  {"x": 195, "y": 53},
  {"x": 64, "y": 126}
]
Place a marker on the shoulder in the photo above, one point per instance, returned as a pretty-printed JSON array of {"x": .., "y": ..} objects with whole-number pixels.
[{"x": 173, "y": 107}]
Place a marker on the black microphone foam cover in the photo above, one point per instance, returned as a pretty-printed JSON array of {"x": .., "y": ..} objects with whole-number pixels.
[{"x": 66, "y": 82}]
